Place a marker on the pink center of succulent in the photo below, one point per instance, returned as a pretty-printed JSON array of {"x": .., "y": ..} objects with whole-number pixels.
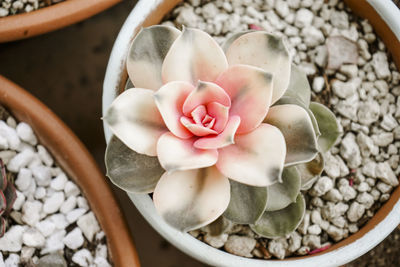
[{"x": 202, "y": 122}]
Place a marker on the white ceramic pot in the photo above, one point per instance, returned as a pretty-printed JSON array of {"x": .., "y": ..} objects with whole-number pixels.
[{"x": 384, "y": 222}]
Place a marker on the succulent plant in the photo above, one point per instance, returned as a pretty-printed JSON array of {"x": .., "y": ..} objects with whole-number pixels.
[
  {"x": 218, "y": 133},
  {"x": 7, "y": 196}
]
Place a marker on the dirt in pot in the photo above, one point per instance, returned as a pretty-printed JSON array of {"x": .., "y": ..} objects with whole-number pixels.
[
  {"x": 51, "y": 223},
  {"x": 12, "y": 7},
  {"x": 361, "y": 86}
]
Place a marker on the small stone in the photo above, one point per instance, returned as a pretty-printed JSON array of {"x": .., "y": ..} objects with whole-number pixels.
[
  {"x": 33, "y": 238},
  {"x": 54, "y": 242},
  {"x": 366, "y": 145},
  {"x": 101, "y": 251},
  {"x": 88, "y": 225},
  {"x": 384, "y": 197},
  {"x": 347, "y": 192},
  {"x": 24, "y": 179},
  {"x": 31, "y": 212},
  {"x": 52, "y": 260},
  {"x": 386, "y": 174},
  {"x": 383, "y": 139},
  {"x": 26, "y": 254},
  {"x": 318, "y": 84},
  {"x": 333, "y": 195},
  {"x": 312, "y": 241},
  {"x": 339, "y": 19},
  {"x": 26, "y": 134},
  {"x": 10, "y": 135},
  {"x": 368, "y": 112},
  {"x": 335, "y": 233},
  {"x": 40, "y": 193},
  {"x": 216, "y": 241},
  {"x": 303, "y": 251},
  {"x": 363, "y": 187},
  {"x": 282, "y": 8},
  {"x": 12, "y": 239},
  {"x": 59, "y": 220},
  {"x": 45, "y": 156},
  {"x": 303, "y": 18},
  {"x": 322, "y": 186},
  {"x": 20, "y": 160},
  {"x": 350, "y": 70},
  {"x": 19, "y": 201},
  {"x": 82, "y": 257},
  {"x": 350, "y": 151},
  {"x": 339, "y": 221},
  {"x": 74, "y": 239},
  {"x": 305, "y": 223},
  {"x": 366, "y": 199},
  {"x": 312, "y": 37},
  {"x": 71, "y": 189},
  {"x": 355, "y": 212},
  {"x": 53, "y": 203},
  {"x": 381, "y": 66},
  {"x": 46, "y": 227},
  {"x": 42, "y": 175},
  {"x": 314, "y": 229},
  {"x": 82, "y": 203},
  {"x": 68, "y": 205},
  {"x": 59, "y": 182},
  {"x": 346, "y": 89},
  {"x": 277, "y": 247},
  {"x": 294, "y": 241},
  {"x": 101, "y": 262},
  {"x": 383, "y": 187},
  {"x": 13, "y": 260}
]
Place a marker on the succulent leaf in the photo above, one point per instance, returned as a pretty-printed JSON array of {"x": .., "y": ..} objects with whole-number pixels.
[
  {"x": 3, "y": 203},
  {"x": 327, "y": 124},
  {"x": 231, "y": 39},
  {"x": 10, "y": 195},
  {"x": 250, "y": 90},
  {"x": 2, "y": 226},
  {"x": 268, "y": 52},
  {"x": 217, "y": 227},
  {"x": 134, "y": 118},
  {"x": 131, "y": 171},
  {"x": 296, "y": 126},
  {"x": 3, "y": 176},
  {"x": 245, "y": 161},
  {"x": 310, "y": 171},
  {"x": 295, "y": 101},
  {"x": 193, "y": 56},
  {"x": 247, "y": 203},
  {"x": 191, "y": 199},
  {"x": 299, "y": 87},
  {"x": 281, "y": 222},
  {"x": 147, "y": 54},
  {"x": 280, "y": 195}
]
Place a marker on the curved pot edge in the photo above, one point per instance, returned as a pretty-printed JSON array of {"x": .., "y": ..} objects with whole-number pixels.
[
  {"x": 74, "y": 158},
  {"x": 348, "y": 249},
  {"x": 25, "y": 25}
]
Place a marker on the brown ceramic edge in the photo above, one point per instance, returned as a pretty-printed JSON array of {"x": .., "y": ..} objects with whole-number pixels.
[
  {"x": 361, "y": 8},
  {"x": 25, "y": 25},
  {"x": 74, "y": 158}
]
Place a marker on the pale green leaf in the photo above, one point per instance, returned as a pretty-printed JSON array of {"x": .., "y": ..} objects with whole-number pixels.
[
  {"x": 281, "y": 222},
  {"x": 247, "y": 203},
  {"x": 131, "y": 171},
  {"x": 280, "y": 195},
  {"x": 299, "y": 87},
  {"x": 310, "y": 171}
]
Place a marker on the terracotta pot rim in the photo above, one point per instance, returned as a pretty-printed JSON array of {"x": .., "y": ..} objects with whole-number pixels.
[
  {"x": 43, "y": 20},
  {"x": 148, "y": 12},
  {"x": 76, "y": 161}
]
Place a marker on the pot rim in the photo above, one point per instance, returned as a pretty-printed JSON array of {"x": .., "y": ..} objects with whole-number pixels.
[
  {"x": 43, "y": 20},
  {"x": 350, "y": 248},
  {"x": 73, "y": 157}
]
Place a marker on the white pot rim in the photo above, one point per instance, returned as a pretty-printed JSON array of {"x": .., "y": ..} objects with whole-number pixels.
[{"x": 190, "y": 245}]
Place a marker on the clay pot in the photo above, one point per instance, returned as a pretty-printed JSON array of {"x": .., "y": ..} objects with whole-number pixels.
[
  {"x": 75, "y": 160},
  {"x": 25, "y": 25},
  {"x": 384, "y": 17}
]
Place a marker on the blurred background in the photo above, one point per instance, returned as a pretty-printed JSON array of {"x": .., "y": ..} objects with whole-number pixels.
[{"x": 65, "y": 69}]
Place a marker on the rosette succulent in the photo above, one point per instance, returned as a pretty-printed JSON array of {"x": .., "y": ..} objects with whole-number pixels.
[
  {"x": 217, "y": 132},
  {"x": 7, "y": 197}
]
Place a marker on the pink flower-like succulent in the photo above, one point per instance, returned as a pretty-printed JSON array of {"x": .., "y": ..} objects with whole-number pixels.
[{"x": 205, "y": 112}]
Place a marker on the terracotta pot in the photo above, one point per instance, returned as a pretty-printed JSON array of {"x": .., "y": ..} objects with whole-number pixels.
[
  {"x": 76, "y": 161},
  {"x": 50, "y": 18},
  {"x": 384, "y": 17}
]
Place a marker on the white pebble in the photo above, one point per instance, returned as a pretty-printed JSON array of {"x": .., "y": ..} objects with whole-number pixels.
[
  {"x": 53, "y": 203},
  {"x": 355, "y": 212},
  {"x": 19, "y": 201},
  {"x": 42, "y": 175},
  {"x": 54, "y": 242},
  {"x": 68, "y": 205},
  {"x": 318, "y": 84},
  {"x": 71, "y": 189},
  {"x": 277, "y": 247},
  {"x": 26, "y": 134},
  {"x": 20, "y": 160},
  {"x": 46, "y": 227},
  {"x": 31, "y": 212},
  {"x": 74, "y": 239},
  {"x": 82, "y": 257},
  {"x": 13, "y": 260},
  {"x": 45, "y": 156},
  {"x": 88, "y": 225},
  {"x": 24, "y": 179},
  {"x": 12, "y": 239},
  {"x": 33, "y": 238},
  {"x": 59, "y": 182},
  {"x": 10, "y": 135}
]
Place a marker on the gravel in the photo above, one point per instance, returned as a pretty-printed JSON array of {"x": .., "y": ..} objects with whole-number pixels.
[
  {"x": 51, "y": 223},
  {"x": 361, "y": 88},
  {"x": 12, "y": 7}
]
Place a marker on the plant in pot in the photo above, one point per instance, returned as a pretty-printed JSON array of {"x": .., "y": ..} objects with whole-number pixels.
[
  {"x": 334, "y": 212},
  {"x": 218, "y": 134}
]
